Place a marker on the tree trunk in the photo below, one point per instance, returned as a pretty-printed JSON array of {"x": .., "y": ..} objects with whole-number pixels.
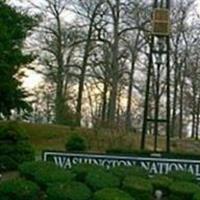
[
  {"x": 130, "y": 88},
  {"x": 115, "y": 65},
  {"x": 193, "y": 111},
  {"x": 104, "y": 102},
  {"x": 181, "y": 111},
  {"x": 82, "y": 74},
  {"x": 198, "y": 119},
  {"x": 59, "y": 101},
  {"x": 174, "y": 102}
]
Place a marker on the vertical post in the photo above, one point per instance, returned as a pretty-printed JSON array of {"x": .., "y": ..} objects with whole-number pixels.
[
  {"x": 168, "y": 88},
  {"x": 146, "y": 104},
  {"x": 156, "y": 116}
]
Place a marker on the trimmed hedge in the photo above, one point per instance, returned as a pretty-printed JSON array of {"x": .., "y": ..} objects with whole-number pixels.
[
  {"x": 182, "y": 176},
  {"x": 100, "y": 179},
  {"x": 19, "y": 189},
  {"x": 82, "y": 170},
  {"x": 45, "y": 174},
  {"x": 162, "y": 183},
  {"x": 122, "y": 172},
  {"x": 72, "y": 191},
  {"x": 112, "y": 194},
  {"x": 139, "y": 188},
  {"x": 180, "y": 190},
  {"x": 197, "y": 196}
]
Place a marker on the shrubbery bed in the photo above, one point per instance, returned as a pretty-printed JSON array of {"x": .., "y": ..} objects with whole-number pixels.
[
  {"x": 69, "y": 191},
  {"x": 112, "y": 194},
  {"x": 100, "y": 179},
  {"x": 45, "y": 174},
  {"x": 19, "y": 189},
  {"x": 91, "y": 182},
  {"x": 139, "y": 188}
]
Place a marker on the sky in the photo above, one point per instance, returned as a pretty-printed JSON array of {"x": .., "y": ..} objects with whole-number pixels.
[{"x": 33, "y": 79}]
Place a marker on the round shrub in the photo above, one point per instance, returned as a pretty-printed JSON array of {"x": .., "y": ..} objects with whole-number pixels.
[
  {"x": 180, "y": 190},
  {"x": 81, "y": 171},
  {"x": 182, "y": 176},
  {"x": 45, "y": 174},
  {"x": 139, "y": 188},
  {"x": 7, "y": 163},
  {"x": 121, "y": 172},
  {"x": 196, "y": 196},
  {"x": 19, "y": 189},
  {"x": 72, "y": 191},
  {"x": 162, "y": 183},
  {"x": 99, "y": 179},
  {"x": 112, "y": 194},
  {"x": 76, "y": 143}
]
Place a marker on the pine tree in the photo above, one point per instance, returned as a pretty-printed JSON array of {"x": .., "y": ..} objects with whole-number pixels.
[{"x": 14, "y": 27}]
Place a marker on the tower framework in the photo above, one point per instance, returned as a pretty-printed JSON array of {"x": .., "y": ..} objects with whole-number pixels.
[{"x": 157, "y": 94}]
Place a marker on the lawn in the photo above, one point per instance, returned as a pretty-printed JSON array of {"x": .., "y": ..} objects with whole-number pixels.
[
  {"x": 44, "y": 136},
  {"x": 54, "y": 137}
]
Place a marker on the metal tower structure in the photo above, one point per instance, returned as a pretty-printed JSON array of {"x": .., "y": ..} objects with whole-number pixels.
[{"x": 158, "y": 75}]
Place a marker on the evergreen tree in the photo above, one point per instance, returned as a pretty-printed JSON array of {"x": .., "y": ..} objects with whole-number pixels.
[{"x": 14, "y": 27}]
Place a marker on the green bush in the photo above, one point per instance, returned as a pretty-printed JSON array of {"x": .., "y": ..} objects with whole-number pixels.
[
  {"x": 7, "y": 163},
  {"x": 147, "y": 153},
  {"x": 121, "y": 172},
  {"x": 139, "y": 188},
  {"x": 182, "y": 176},
  {"x": 112, "y": 194},
  {"x": 128, "y": 152},
  {"x": 12, "y": 132},
  {"x": 6, "y": 149},
  {"x": 14, "y": 144},
  {"x": 76, "y": 143},
  {"x": 72, "y": 191},
  {"x": 23, "y": 152},
  {"x": 162, "y": 183},
  {"x": 81, "y": 171},
  {"x": 99, "y": 179},
  {"x": 197, "y": 196},
  {"x": 19, "y": 189},
  {"x": 45, "y": 174},
  {"x": 180, "y": 190}
]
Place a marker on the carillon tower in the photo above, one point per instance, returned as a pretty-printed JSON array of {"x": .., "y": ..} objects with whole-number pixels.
[{"x": 157, "y": 94}]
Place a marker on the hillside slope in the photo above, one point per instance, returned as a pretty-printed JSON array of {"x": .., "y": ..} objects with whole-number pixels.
[{"x": 54, "y": 137}]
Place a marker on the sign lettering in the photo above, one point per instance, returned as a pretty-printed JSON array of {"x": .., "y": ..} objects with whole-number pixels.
[{"x": 153, "y": 165}]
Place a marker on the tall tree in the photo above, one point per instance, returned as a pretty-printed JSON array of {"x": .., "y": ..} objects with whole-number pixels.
[
  {"x": 56, "y": 43},
  {"x": 88, "y": 11},
  {"x": 14, "y": 27}
]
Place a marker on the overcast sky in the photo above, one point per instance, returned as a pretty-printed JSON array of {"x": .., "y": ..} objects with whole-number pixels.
[{"x": 33, "y": 78}]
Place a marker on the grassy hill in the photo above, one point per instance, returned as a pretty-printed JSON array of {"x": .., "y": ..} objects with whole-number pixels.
[{"x": 54, "y": 137}]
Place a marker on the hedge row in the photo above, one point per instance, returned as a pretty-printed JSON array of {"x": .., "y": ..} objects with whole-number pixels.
[
  {"x": 45, "y": 174},
  {"x": 146, "y": 153},
  {"x": 19, "y": 189},
  {"x": 82, "y": 181}
]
